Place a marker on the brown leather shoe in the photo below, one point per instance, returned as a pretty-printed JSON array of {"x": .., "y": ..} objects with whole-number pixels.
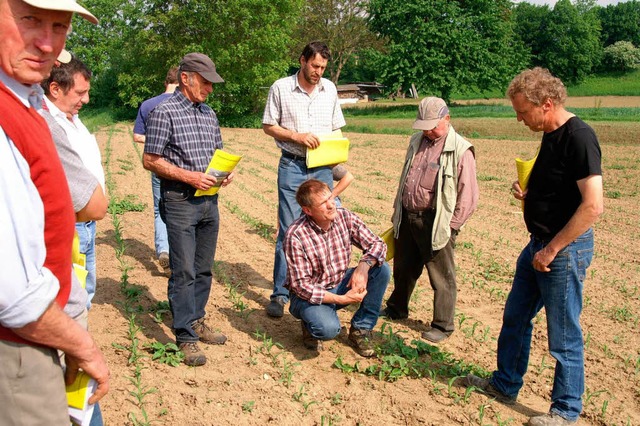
[
  {"x": 193, "y": 356},
  {"x": 362, "y": 342},
  {"x": 309, "y": 341},
  {"x": 206, "y": 334}
]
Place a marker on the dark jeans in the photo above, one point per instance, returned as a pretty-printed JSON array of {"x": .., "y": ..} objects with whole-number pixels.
[
  {"x": 560, "y": 293},
  {"x": 192, "y": 227},
  {"x": 413, "y": 251},
  {"x": 322, "y": 320}
]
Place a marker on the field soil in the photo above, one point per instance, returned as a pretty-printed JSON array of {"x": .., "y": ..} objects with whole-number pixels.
[{"x": 264, "y": 375}]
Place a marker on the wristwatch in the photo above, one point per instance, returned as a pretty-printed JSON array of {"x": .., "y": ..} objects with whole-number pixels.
[{"x": 371, "y": 263}]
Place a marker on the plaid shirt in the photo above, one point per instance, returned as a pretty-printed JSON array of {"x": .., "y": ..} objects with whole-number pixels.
[
  {"x": 183, "y": 133},
  {"x": 317, "y": 260},
  {"x": 291, "y": 107}
]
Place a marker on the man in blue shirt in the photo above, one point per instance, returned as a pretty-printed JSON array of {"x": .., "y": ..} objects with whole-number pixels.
[{"x": 139, "y": 132}]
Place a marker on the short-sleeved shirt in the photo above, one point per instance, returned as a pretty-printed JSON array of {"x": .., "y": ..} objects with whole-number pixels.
[
  {"x": 317, "y": 259},
  {"x": 184, "y": 133},
  {"x": 567, "y": 155},
  {"x": 339, "y": 171},
  {"x": 140, "y": 125},
  {"x": 292, "y": 108}
]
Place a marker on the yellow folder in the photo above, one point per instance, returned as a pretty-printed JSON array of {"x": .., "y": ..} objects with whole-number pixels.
[
  {"x": 387, "y": 237},
  {"x": 220, "y": 166},
  {"x": 524, "y": 168},
  {"x": 333, "y": 149}
]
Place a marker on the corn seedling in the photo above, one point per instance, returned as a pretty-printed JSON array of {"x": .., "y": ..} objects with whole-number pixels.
[{"x": 247, "y": 407}]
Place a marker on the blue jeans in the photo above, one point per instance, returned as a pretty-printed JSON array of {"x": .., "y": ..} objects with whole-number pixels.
[
  {"x": 161, "y": 239},
  {"x": 560, "y": 292},
  {"x": 322, "y": 320},
  {"x": 192, "y": 227},
  {"x": 87, "y": 237},
  {"x": 291, "y": 174}
]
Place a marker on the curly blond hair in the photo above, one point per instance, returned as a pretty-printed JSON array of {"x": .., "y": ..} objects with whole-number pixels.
[{"x": 537, "y": 85}]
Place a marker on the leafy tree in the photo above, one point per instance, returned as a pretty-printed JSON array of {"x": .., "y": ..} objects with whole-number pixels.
[
  {"x": 621, "y": 56},
  {"x": 341, "y": 24},
  {"x": 530, "y": 24},
  {"x": 620, "y": 22},
  {"x": 247, "y": 39},
  {"x": 443, "y": 46},
  {"x": 571, "y": 41}
]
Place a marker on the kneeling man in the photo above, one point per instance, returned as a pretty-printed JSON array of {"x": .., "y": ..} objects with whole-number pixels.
[{"x": 317, "y": 247}]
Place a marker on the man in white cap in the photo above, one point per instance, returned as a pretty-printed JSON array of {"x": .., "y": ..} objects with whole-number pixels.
[
  {"x": 182, "y": 135},
  {"x": 438, "y": 192},
  {"x": 36, "y": 226}
]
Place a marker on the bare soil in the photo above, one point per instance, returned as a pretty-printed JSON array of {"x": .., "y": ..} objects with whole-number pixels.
[{"x": 244, "y": 383}]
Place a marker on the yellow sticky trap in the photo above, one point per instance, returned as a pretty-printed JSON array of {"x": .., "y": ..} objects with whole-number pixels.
[{"x": 387, "y": 237}]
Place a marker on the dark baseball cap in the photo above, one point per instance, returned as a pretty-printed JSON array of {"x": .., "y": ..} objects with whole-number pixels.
[
  {"x": 202, "y": 64},
  {"x": 430, "y": 111}
]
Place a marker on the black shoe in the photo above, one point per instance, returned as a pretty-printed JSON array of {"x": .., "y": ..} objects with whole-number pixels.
[
  {"x": 388, "y": 313},
  {"x": 275, "y": 308},
  {"x": 485, "y": 386},
  {"x": 434, "y": 335}
]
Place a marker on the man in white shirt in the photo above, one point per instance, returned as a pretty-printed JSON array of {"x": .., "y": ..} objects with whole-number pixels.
[
  {"x": 66, "y": 92},
  {"x": 36, "y": 226}
]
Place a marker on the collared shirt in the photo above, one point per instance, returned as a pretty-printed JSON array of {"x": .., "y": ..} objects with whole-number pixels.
[
  {"x": 419, "y": 189},
  {"x": 292, "y": 108},
  {"x": 27, "y": 287},
  {"x": 81, "y": 140},
  {"x": 184, "y": 133},
  {"x": 317, "y": 260}
]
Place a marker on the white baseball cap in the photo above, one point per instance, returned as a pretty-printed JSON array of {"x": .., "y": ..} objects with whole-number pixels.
[{"x": 64, "y": 6}]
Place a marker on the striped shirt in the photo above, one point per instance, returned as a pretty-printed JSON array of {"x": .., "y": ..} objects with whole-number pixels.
[
  {"x": 317, "y": 260},
  {"x": 183, "y": 133},
  {"x": 292, "y": 108}
]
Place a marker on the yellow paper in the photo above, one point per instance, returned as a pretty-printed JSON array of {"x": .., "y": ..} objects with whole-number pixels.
[
  {"x": 77, "y": 391},
  {"x": 387, "y": 237},
  {"x": 524, "y": 168},
  {"x": 79, "y": 261},
  {"x": 221, "y": 165},
  {"x": 333, "y": 149}
]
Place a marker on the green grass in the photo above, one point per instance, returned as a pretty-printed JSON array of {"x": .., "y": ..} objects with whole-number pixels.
[
  {"x": 608, "y": 85},
  {"x": 96, "y": 118}
]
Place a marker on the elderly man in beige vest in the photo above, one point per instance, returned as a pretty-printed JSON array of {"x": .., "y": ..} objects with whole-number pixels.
[{"x": 437, "y": 194}]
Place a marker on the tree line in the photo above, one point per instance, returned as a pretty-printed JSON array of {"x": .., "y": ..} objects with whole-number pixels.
[{"x": 441, "y": 47}]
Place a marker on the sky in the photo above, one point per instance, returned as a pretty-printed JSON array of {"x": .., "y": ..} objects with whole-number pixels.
[{"x": 553, "y": 2}]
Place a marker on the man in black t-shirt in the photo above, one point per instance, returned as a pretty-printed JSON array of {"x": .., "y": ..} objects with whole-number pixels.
[{"x": 562, "y": 201}]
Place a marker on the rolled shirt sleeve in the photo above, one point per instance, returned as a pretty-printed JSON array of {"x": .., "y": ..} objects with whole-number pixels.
[{"x": 27, "y": 288}]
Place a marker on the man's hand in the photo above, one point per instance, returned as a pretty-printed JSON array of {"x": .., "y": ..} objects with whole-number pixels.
[
  {"x": 353, "y": 296},
  {"x": 95, "y": 366},
  {"x": 307, "y": 139},
  {"x": 543, "y": 258},
  {"x": 359, "y": 278},
  {"x": 517, "y": 192},
  {"x": 228, "y": 179},
  {"x": 202, "y": 181}
]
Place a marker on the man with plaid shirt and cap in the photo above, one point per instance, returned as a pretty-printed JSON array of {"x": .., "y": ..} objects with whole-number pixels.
[
  {"x": 182, "y": 136},
  {"x": 438, "y": 192}
]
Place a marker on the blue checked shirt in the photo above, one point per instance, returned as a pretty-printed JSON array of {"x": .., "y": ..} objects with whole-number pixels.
[
  {"x": 317, "y": 259},
  {"x": 290, "y": 107},
  {"x": 183, "y": 133}
]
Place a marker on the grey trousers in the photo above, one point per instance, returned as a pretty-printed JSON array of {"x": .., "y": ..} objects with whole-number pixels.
[{"x": 413, "y": 251}]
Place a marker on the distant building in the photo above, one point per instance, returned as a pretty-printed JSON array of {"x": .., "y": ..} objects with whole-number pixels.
[{"x": 358, "y": 92}]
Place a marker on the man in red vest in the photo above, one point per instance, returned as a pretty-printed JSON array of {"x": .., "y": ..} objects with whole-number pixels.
[{"x": 36, "y": 226}]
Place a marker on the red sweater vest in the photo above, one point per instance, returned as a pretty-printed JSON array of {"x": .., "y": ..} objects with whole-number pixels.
[{"x": 31, "y": 136}]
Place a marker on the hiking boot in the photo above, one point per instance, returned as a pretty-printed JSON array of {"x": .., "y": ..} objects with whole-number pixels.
[
  {"x": 550, "y": 419},
  {"x": 193, "y": 356},
  {"x": 163, "y": 260},
  {"x": 275, "y": 308},
  {"x": 309, "y": 341},
  {"x": 434, "y": 335},
  {"x": 362, "y": 342},
  {"x": 389, "y": 314},
  {"x": 485, "y": 386},
  {"x": 206, "y": 334}
]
